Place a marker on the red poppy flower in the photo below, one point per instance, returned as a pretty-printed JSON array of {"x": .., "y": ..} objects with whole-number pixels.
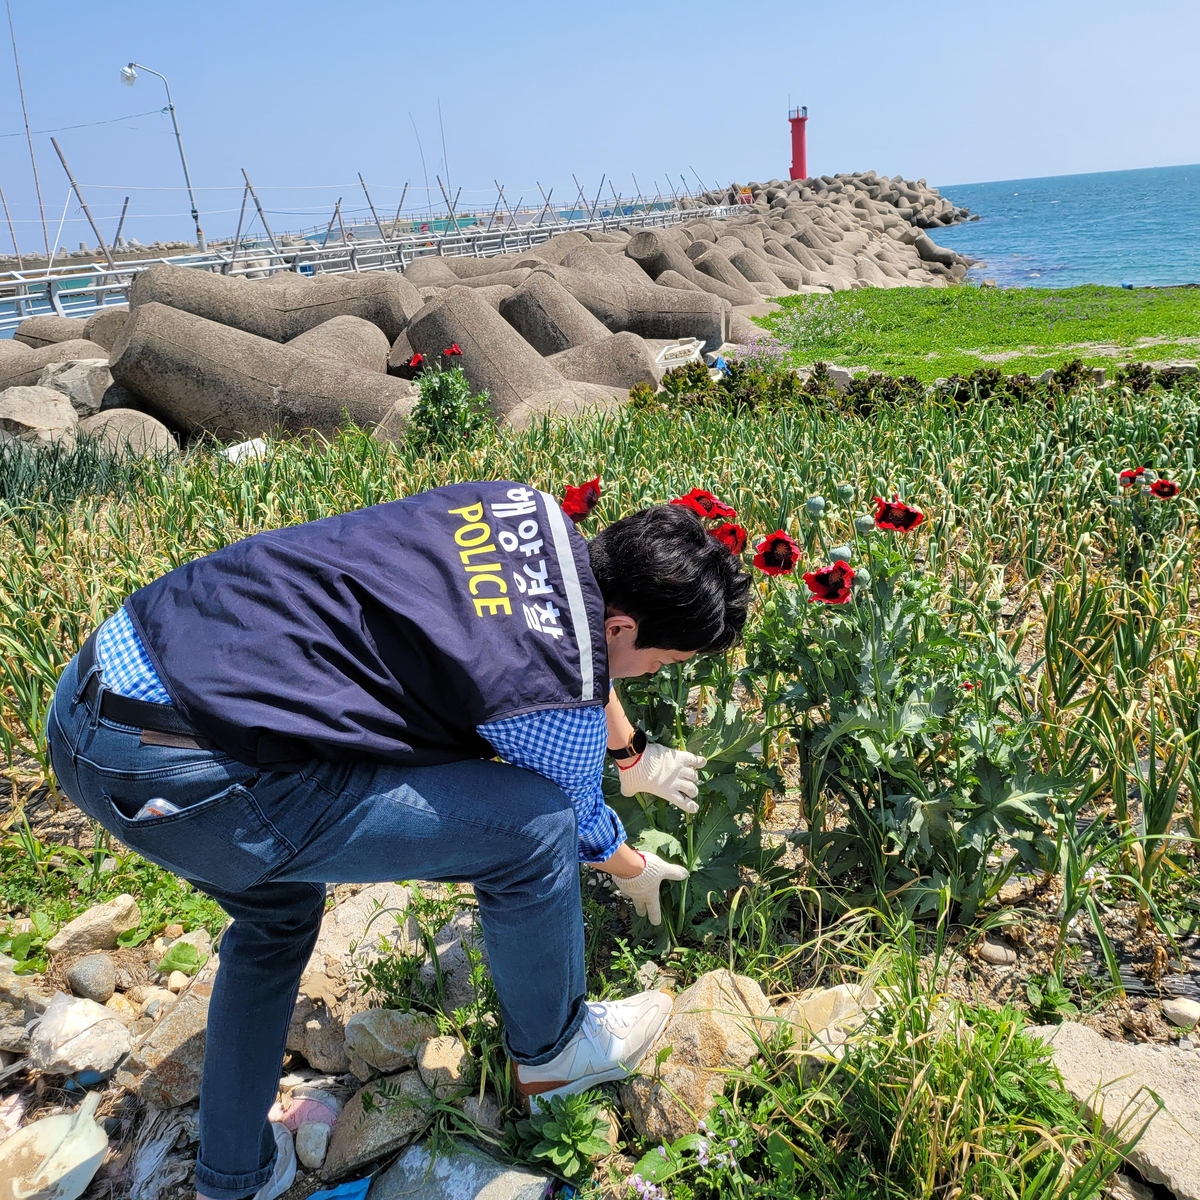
[
  {"x": 778, "y": 554},
  {"x": 832, "y": 584},
  {"x": 453, "y": 350},
  {"x": 706, "y": 505},
  {"x": 578, "y": 502},
  {"x": 1131, "y": 475},
  {"x": 733, "y": 536},
  {"x": 896, "y": 516},
  {"x": 1164, "y": 489},
  {"x": 415, "y": 361}
]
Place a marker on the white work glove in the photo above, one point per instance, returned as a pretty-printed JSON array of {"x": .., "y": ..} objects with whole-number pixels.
[
  {"x": 664, "y": 772},
  {"x": 642, "y": 889}
]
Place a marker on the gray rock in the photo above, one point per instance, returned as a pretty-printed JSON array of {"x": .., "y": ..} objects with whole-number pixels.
[
  {"x": 93, "y": 977},
  {"x": 127, "y": 433},
  {"x": 98, "y": 928},
  {"x": 82, "y": 381},
  {"x": 1115, "y": 1080},
  {"x": 1181, "y": 1011},
  {"x": 619, "y": 359},
  {"x": 997, "y": 954},
  {"x": 48, "y": 330},
  {"x": 24, "y": 370},
  {"x": 395, "y": 1113},
  {"x": 346, "y": 339},
  {"x": 548, "y": 317},
  {"x": 166, "y": 1066},
  {"x": 37, "y": 415},
  {"x": 208, "y": 377},
  {"x": 444, "y": 1067},
  {"x": 21, "y": 1003},
  {"x": 385, "y": 1041},
  {"x": 484, "y": 1112},
  {"x": 453, "y": 963},
  {"x": 312, "y": 1144},
  {"x": 461, "y": 1172},
  {"x": 712, "y": 1030},
  {"x": 78, "y": 1035}
]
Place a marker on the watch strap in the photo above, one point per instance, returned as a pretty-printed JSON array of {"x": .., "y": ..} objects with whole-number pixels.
[{"x": 637, "y": 745}]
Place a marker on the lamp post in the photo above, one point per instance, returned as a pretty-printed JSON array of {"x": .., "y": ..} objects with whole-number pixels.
[{"x": 129, "y": 78}]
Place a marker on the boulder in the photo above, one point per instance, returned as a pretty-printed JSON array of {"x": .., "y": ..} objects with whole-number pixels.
[
  {"x": 93, "y": 977},
  {"x": 456, "y": 1171},
  {"x": 104, "y": 326},
  {"x": 620, "y": 359},
  {"x": 78, "y": 1035},
  {"x": 96, "y": 929},
  {"x": 82, "y": 381},
  {"x": 380, "y": 1041},
  {"x": 165, "y": 1068},
  {"x": 206, "y": 377},
  {"x": 49, "y": 329},
  {"x": 444, "y": 1067},
  {"x": 279, "y": 308},
  {"x": 712, "y": 1030},
  {"x": 346, "y": 339},
  {"x": 1119, "y": 1083},
  {"x": 24, "y": 370},
  {"x": 520, "y": 383},
  {"x": 548, "y": 317},
  {"x": 38, "y": 415},
  {"x": 397, "y": 1112},
  {"x": 127, "y": 433}
]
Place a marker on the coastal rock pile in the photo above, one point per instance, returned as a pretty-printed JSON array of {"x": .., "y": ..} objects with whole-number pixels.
[{"x": 562, "y": 328}]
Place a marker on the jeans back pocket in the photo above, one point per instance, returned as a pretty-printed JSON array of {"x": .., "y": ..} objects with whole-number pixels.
[{"x": 224, "y": 841}]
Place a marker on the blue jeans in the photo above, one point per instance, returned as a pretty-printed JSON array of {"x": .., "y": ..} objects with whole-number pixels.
[{"x": 264, "y": 845}]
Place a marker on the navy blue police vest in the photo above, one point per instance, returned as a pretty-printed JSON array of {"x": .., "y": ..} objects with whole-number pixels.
[{"x": 386, "y": 633}]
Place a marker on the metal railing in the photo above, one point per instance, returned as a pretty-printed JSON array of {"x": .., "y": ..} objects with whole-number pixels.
[{"x": 76, "y": 290}]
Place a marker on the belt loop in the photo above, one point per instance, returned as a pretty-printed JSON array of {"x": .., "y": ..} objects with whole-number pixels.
[{"x": 88, "y": 664}]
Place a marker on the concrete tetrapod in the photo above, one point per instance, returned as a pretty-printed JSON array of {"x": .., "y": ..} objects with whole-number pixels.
[
  {"x": 48, "y": 329},
  {"x": 520, "y": 383},
  {"x": 620, "y": 359},
  {"x": 714, "y": 263},
  {"x": 548, "y": 317},
  {"x": 655, "y": 253},
  {"x": 592, "y": 258},
  {"x": 24, "y": 370},
  {"x": 206, "y": 377},
  {"x": 346, "y": 339},
  {"x": 104, "y": 326},
  {"x": 279, "y": 310},
  {"x": 649, "y": 311},
  {"x": 430, "y": 271}
]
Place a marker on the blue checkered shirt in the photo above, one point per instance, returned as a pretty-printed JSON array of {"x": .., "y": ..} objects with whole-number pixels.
[{"x": 565, "y": 746}]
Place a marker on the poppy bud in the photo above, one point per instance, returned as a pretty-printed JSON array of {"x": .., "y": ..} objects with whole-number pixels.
[
  {"x": 862, "y": 577},
  {"x": 995, "y": 603},
  {"x": 815, "y": 506},
  {"x": 864, "y": 524},
  {"x": 839, "y": 554}
]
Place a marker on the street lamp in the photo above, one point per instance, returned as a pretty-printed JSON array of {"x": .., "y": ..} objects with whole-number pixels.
[{"x": 129, "y": 78}]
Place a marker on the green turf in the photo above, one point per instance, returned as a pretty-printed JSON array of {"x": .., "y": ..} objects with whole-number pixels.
[{"x": 936, "y": 332}]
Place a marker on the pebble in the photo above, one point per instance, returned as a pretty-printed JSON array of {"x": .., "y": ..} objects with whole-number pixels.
[
  {"x": 93, "y": 978},
  {"x": 176, "y": 982},
  {"x": 1181, "y": 1011},
  {"x": 312, "y": 1143},
  {"x": 996, "y": 954}
]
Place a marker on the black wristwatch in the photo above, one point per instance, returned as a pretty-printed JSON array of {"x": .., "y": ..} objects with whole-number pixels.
[{"x": 637, "y": 745}]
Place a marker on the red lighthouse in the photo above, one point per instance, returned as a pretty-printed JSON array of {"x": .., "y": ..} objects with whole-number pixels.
[{"x": 799, "y": 119}]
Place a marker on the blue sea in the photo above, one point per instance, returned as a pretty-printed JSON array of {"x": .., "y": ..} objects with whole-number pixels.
[{"x": 1119, "y": 227}]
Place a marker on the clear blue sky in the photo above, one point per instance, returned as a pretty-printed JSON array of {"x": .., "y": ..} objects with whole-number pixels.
[{"x": 304, "y": 95}]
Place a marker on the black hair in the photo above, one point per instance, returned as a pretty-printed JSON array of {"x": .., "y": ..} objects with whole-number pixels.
[{"x": 684, "y": 588}]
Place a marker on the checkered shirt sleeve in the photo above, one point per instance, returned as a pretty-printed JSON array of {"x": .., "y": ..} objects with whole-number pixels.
[
  {"x": 567, "y": 747},
  {"x": 126, "y": 666}
]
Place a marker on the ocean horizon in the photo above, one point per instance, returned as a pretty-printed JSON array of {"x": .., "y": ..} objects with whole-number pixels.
[{"x": 1113, "y": 227}]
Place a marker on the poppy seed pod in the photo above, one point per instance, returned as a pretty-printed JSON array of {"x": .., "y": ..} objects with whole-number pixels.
[
  {"x": 839, "y": 554},
  {"x": 815, "y": 506},
  {"x": 862, "y": 577},
  {"x": 864, "y": 524},
  {"x": 846, "y": 493}
]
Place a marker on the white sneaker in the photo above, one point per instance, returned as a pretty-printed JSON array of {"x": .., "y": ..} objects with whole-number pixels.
[
  {"x": 609, "y": 1045},
  {"x": 283, "y": 1174}
]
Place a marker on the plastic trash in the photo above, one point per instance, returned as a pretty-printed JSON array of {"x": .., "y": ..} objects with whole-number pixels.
[
  {"x": 354, "y": 1189},
  {"x": 54, "y": 1158},
  {"x": 255, "y": 448},
  {"x": 78, "y": 1035}
]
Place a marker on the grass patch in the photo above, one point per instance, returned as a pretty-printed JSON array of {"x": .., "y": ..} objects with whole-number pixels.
[{"x": 936, "y": 332}]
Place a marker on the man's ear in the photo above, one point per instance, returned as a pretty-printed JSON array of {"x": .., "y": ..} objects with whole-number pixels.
[{"x": 617, "y": 624}]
